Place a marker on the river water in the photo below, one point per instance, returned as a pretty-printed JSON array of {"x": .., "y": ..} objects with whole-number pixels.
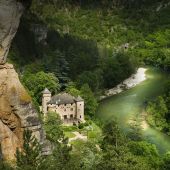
[{"x": 131, "y": 103}]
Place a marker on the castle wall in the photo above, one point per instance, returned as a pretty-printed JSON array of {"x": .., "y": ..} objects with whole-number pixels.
[
  {"x": 64, "y": 110},
  {"x": 46, "y": 98},
  {"x": 80, "y": 111}
]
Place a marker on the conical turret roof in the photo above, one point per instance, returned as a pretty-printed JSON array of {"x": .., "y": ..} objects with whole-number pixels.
[{"x": 46, "y": 91}]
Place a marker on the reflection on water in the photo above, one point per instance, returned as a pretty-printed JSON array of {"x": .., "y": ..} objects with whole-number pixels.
[{"x": 128, "y": 104}]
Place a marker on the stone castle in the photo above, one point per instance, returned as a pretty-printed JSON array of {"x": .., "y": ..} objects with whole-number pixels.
[{"x": 70, "y": 108}]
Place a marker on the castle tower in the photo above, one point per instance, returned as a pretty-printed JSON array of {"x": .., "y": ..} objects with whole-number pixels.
[
  {"x": 45, "y": 99},
  {"x": 80, "y": 108}
]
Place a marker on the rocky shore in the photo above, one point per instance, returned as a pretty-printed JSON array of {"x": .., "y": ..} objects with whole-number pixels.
[{"x": 132, "y": 81}]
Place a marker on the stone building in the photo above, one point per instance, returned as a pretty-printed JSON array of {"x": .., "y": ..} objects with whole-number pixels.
[{"x": 70, "y": 108}]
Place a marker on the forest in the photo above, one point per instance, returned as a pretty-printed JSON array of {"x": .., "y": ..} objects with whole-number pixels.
[{"x": 85, "y": 47}]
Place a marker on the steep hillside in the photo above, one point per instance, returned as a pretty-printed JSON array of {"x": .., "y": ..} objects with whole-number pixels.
[
  {"x": 73, "y": 39},
  {"x": 137, "y": 25}
]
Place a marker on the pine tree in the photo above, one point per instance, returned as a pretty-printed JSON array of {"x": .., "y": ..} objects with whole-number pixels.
[{"x": 30, "y": 157}]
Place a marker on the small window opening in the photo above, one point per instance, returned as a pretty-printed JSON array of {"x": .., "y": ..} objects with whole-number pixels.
[{"x": 65, "y": 116}]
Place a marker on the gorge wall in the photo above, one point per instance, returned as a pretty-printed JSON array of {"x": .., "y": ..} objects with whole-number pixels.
[{"x": 16, "y": 110}]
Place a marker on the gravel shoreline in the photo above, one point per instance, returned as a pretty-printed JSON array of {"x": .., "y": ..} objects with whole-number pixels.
[{"x": 128, "y": 83}]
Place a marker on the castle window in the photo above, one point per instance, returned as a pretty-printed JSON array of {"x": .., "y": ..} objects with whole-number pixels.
[
  {"x": 71, "y": 116},
  {"x": 71, "y": 109},
  {"x": 65, "y": 110},
  {"x": 80, "y": 116},
  {"x": 65, "y": 116}
]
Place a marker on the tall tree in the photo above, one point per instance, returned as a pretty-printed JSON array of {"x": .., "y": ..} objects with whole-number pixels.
[
  {"x": 30, "y": 156},
  {"x": 36, "y": 83},
  {"x": 90, "y": 100}
]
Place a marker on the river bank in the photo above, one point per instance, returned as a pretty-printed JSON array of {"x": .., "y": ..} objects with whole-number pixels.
[
  {"x": 129, "y": 105},
  {"x": 128, "y": 83}
]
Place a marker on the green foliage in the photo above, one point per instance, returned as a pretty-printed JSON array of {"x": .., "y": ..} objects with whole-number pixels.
[
  {"x": 60, "y": 158},
  {"x": 93, "y": 79},
  {"x": 53, "y": 128},
  {"x": 36, "y": 83},
  {"x": 116, "y": 153},
  {"x": 89, "y": 100},
  {"x": 166, "y": 162},
  {"x": 116, "y": 68},
  {"x": 71, "y": 89},
  {"x": 5, "y": 166},
  {"x": 157, "y": 113},
  {"x": 143, "y": 148},
  {"x": 146, "y": 150},
  {"x": 55, "y": 62},
  {"x": 85, "y": 155},
  {"x": 30, "y": 156},
  {"x": 111, "y": 29},
  {"x": 135, "y": 131},
  {"x": 112, "y": 135},
  {"x": 120, "y": 158}
]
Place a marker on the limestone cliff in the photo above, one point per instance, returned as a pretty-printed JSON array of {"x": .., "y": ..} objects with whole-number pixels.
[
  {"x": 16, "y": 110},
  {"x": 10, "y": 13}
]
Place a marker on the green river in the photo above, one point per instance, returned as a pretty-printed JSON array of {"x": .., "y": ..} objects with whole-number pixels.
[{"x": 130, "y": 104}]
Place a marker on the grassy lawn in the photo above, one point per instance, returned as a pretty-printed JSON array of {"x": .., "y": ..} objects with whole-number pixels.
[
  {"x": 95, "y": 133},
  {"x": 92, "y": 131},
  {"x": 77, "y": 143},
  {"x": 69, "y": 134},
  {"x": 70, "y": 128}
]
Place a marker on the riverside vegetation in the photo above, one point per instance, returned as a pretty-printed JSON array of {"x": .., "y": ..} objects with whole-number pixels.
[{"x": 85, "y": 47}]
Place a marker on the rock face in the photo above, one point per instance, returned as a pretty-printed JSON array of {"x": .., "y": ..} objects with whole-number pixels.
[
  {"x": 16, "y": 113},
  {"x": 16, "y": 110},
  {"x": 10, "y": 13}
]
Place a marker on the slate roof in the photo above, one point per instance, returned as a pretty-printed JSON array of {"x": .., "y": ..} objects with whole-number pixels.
[
  {"x": 79, "y": 99},
  {"x": 46, "y": 91},
  {"x": 64, "y": 98}
]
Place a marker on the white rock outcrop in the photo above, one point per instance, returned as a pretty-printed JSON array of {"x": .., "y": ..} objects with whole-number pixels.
[{"x": 130, "y": 82}]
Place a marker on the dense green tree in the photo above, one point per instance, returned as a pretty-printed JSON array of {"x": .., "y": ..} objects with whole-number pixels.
[
  {"x": 60, "y": 158},
  {"x": 86, "y": 155},
  {"x": 146, "y": 150},
  {"x": 166, "y": 162},
  {"x": 56, "y": 63},
  {"x": 157, "y": 111},
  {"x": 30, "y": 156},
  {"x": 112, "y": 134},
  {"x": 71, "y": 89},
  {"x": 5, "y": 166},
  {"x": 116, "y": 154},
  {"x": 36, "y": 83},
  {"x": 52, "y": 125},
  {"x": 143, "y": 148},
  {"x": 89, "y": 99},
  {"x": 93, "y": 79},
  {"x": 121, "y": 158},
  {"x": 116, "y": 68}
]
